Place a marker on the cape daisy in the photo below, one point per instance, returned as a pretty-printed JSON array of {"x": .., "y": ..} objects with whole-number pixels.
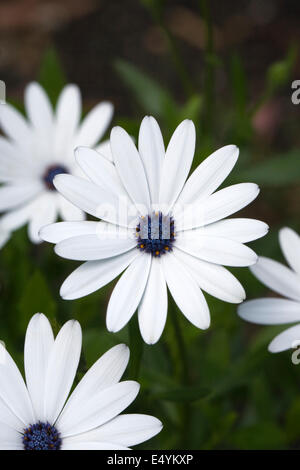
[
  {"x": 38, "y": 148},
  {"x": 284, "y": 281},
  {"x": 169, "y": 230},
  {"x": 36, "y": 416}
]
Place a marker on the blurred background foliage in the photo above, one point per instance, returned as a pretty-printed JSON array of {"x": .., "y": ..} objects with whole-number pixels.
[{"x": 228, "y": 66}]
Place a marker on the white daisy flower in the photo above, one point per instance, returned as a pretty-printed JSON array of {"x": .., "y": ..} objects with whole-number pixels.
[
  {"x": 165, "y": 230},
  {"x": 284, "y": 281},
  {"x": 37, "y": 149},
  {"x": 36, "y": 415}
]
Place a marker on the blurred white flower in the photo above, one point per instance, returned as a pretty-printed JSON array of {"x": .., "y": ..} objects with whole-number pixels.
[
  {"x": 165, "y": 230},
  {"x": 35, "y": 416},
  {"x": 284, "y": 281},
  {"x": 37, "y": 149}
]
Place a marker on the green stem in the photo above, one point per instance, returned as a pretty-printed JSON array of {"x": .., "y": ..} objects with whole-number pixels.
[{"x": 136, "y": 348}]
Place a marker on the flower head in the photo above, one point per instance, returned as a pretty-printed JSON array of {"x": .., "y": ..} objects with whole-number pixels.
[
  {"x": 284, "y": 281},
  {"x": 37, "y": 149},
  {"x": 39, "y": 415},
  {"x": 163, "y": 230}
]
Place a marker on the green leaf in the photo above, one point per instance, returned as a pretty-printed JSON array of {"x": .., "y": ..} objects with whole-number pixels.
[
  {"x": 183, "y": 394},
  {"x": 278, "y": 171},
  {"x": 52, "y": 76},
  {"x": 36, "y": 298}
]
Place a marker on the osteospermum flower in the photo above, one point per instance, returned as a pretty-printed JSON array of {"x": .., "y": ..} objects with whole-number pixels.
[
  {"x": 165, "y": 230},
  {"x": 37, "y": 149},
  {"x": 36, "y": 415},
  {"x": 284, "y": 281}
]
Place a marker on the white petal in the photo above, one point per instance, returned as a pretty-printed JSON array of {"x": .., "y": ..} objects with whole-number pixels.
[
  {"x": 69, "y": 444},
  {"x": 10, "y": 439},
  {"x": 106, "y": 372},
  {"x": 55, "y": 233},
  {"x": 269, "y": 311},
  {"x": 177, "y": 163},
  {"x": 213, "y": 279},
  {"x": 14, "y": 125},
  {"x": 39, "y": 109},
  {"x": 240, "y": 230},
  {"x": 8, "y": 417},
  {"x": 217, "y": 250},
  {"x": 126, "y": 429},
  {"x": 288, "y": 339},
  {"x": 94, "y": 125},
  {"x": 153, "y": 307},
  {"x": 14, "y": 164},
  {"x": 91, "y": 247},
  {"x": 17, "y": 218},
  {"x": 45, "y": 213},
  {"x": 4, "y": 237},
  {"x": 219, "y": 205},
  {"x": 209, "y": 175},
  {"x": 62, "y": 366},
  {"x": 39, "y": 341},
  {"x": 68, "y": 211},
  {"x": 152, "y": 152},
  {"x": 122, "y": 303},
  {"x": 68, "y": 111},
  {"x": 290, "y": 245},
  {"x": 14, "y": 195},
  {"x": 13, "y": 391},
  {"x": 100, "y": 171},
  {"x": 93, "y": 275},
  {"x": 101, "y": 407},
  {"x": 186, "y": 292},
  {"x": 130, "y": 168},
  {"x": 277, "y": 277},
  {"x": 105, "y": 150},
  {"x": 94, "y": 200}
]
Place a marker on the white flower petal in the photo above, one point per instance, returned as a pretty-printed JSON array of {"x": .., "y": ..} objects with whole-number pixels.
[
  {"x": 68, "y": 112},
  {"x": 39, "y": 341},
  {"x": 45, "y": 213},
  {"x": 130, "y": 168},
  {"x": 217, "y": 250},
  {"x": 290, "y": 244},
  {"x": 13, "y": 391},
  {"x": 14, "y": 164},
  {"x": 93, "y": 275},
  {"x": 39, "y": 109},
  {"x": 94, "y": 200},
  {"x": 15, "y": 126},
  {"x": 126, "y": 430},
  {"x": 152, "y": 152},
  {"x": 213, "y": 279},
  {"x": 69, "y": 444},
  {"x": 288, "y": 339},
  {"x": 100, "y": 171},
  {"x": 17, "y": 218},
  {"x": 62, "y": 366},
  {"x": 269, "y": 311},
  {"x": 13, "y": 195},
  {"x": 10, "y": 439},
  {"x": 153, "y": 307},
  {"x": 94, "y": 125},
  {"x": 91, "y": 247},
  {"x": 277, "y": 277},
  {"x": 177, "y": 163},
  {"x": 101, "y": 407},
  {"x": 239, "y": 230},
  {"x": 106, "y": 372},
  {"x": 209, "y": 175},
  {"x": 186, "y": 292},
  {"x": 55, "y": 233},
  {"x": 217, "y": 206},
  {"x": 122, "y": 303},
  {"x": 105, "y": 150},
  {"x": 8, "y": 417},
  {"x": 68, "y": 211}
]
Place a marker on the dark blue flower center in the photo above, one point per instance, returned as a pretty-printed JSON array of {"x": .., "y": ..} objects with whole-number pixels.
[
  {"x": 50, "y": 174},
  {"x": 155, "y": 234},
  {"x": 41, "y": 436}
]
